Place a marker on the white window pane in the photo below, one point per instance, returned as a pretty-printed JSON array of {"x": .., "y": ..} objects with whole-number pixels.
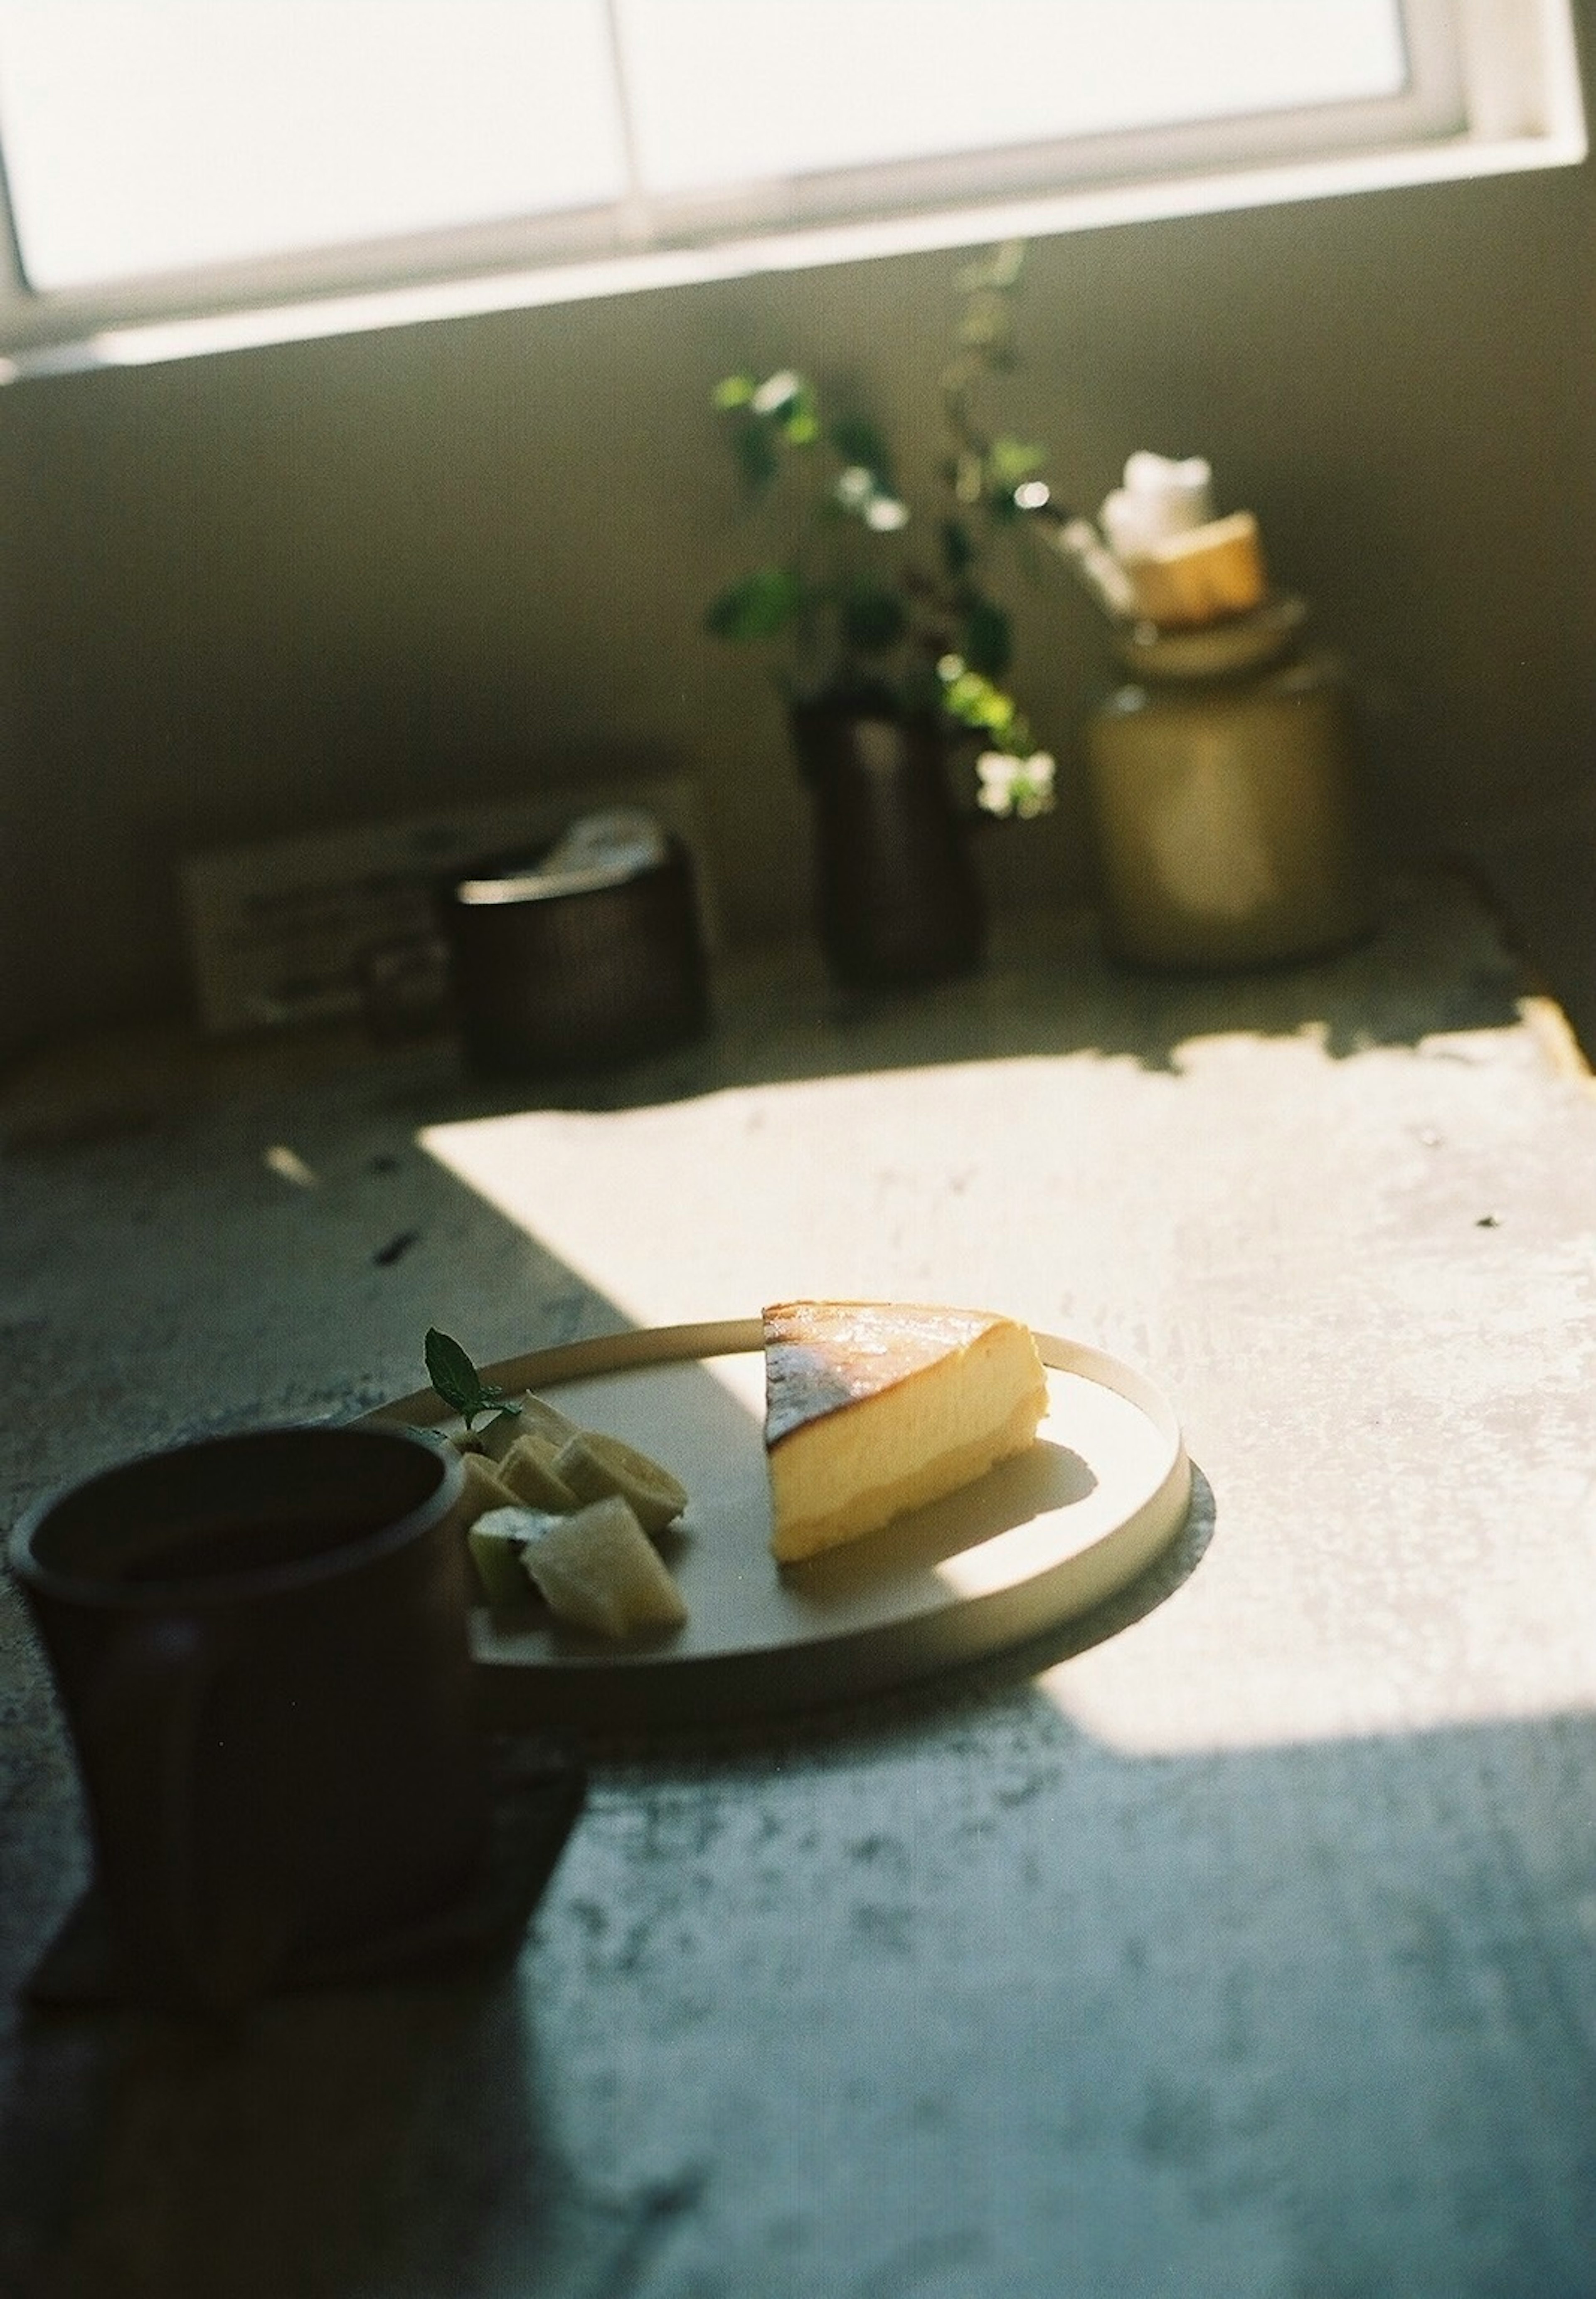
[
  {"x": 152, "y": 134},
  {"x": 726, "y": 91}
]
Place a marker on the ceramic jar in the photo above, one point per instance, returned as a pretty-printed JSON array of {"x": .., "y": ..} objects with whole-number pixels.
[{"x": 1222, "y": 788}]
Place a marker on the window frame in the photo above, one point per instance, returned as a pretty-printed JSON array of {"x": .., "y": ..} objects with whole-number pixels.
[{"x": 1495, "y": 88}]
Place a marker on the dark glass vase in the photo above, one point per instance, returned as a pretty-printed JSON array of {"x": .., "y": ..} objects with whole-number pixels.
[{"x": 897, "y": 902}]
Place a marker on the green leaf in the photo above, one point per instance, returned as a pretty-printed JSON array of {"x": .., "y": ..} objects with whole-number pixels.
[
  {"x": 988, "y": 638},
  {"x": 457, "y": 1380},
  {"x": 873, "y": 620},
  {"x": 755, "y": 450},
  {"x": 733, "y": 391},
  {"x": 1009, "y": 461},
  {"x": 758, "y": 607},
  {"x": 800, "y": 419},
  {"x": 857, "y": 440},
  {"x": 976, "y": 702},
  {"x": 787, "y": 401},
  {"x": 958, "y": 551},
  {"x": 450, "y": 1370}
]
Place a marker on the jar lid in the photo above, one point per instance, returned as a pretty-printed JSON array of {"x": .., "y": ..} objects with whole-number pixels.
[
  {"x": 595, "y": 851},
  {"x": 1218, "y": 650}
]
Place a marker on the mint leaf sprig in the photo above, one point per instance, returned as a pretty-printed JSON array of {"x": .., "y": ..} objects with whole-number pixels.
[{"x": 458, "y": 1381}]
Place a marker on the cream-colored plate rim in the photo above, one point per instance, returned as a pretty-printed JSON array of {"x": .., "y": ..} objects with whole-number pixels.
[{"x": 647, "y": 1686}]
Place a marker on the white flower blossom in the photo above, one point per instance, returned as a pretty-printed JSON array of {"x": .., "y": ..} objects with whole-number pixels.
[{"x": 1011, "y": 786}]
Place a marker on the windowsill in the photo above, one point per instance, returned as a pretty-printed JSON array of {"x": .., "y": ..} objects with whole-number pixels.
[
  {"x": 51, "y": 346},
  {"x": 1047, "y": 984}
]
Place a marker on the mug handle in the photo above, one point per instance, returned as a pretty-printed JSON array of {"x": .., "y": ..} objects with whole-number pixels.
[{"x": 184, "y": 1936}]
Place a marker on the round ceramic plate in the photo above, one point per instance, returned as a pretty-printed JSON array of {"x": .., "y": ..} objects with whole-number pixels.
[{"x": 1034, "y": 1542}]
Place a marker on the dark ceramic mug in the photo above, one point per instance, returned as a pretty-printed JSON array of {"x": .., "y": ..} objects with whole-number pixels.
[{"x": 259, "y": 1643}]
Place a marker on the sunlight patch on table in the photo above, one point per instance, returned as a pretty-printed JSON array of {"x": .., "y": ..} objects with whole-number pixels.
[
  {"x": 1262, "y": 1646},
  {"x": 813, "y": 1188},
  {"x": 1253, "y": 1706}
]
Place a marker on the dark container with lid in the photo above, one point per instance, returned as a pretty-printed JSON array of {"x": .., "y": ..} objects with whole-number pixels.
[{"x": 558, "y": 974}]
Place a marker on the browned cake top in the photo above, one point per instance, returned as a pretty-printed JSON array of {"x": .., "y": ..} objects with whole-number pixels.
[{"x": 822, "y": 1355}]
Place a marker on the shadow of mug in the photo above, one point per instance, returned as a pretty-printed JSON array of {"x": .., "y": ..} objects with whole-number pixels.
[{"x": 259, "y": 1643}]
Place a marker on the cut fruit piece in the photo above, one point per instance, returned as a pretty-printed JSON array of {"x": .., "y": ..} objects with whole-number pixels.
[
  {"x": 547, "y": 1420},
  {"x": 529, "y": 1471},
  {"x": 872, "y": 1409},
  {"x": 484, "y": 1488},
  {"x": 496, "y": 1437},
  {"x": 519, "y": 1417},
  {"x": 598, "y": 1570},
  {"x": 595, "y": 1466},
  {"x": 497, "y": 1542}
]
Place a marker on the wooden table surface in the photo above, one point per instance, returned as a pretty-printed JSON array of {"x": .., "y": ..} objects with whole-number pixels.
[{"x": 1241, "y": 1942}]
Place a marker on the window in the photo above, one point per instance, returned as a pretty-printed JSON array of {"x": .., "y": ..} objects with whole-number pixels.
[{"x": 173, "y": 160}]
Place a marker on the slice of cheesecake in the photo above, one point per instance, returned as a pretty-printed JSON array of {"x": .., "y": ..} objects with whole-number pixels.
[{"x": 872, "y": 1409}]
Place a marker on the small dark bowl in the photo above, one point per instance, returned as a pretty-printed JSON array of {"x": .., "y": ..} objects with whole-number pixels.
[{"x": 604, "y": 973}]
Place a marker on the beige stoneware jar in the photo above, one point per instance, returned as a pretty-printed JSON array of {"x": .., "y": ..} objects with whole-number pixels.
[{"x": 1222, "y": 788}]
